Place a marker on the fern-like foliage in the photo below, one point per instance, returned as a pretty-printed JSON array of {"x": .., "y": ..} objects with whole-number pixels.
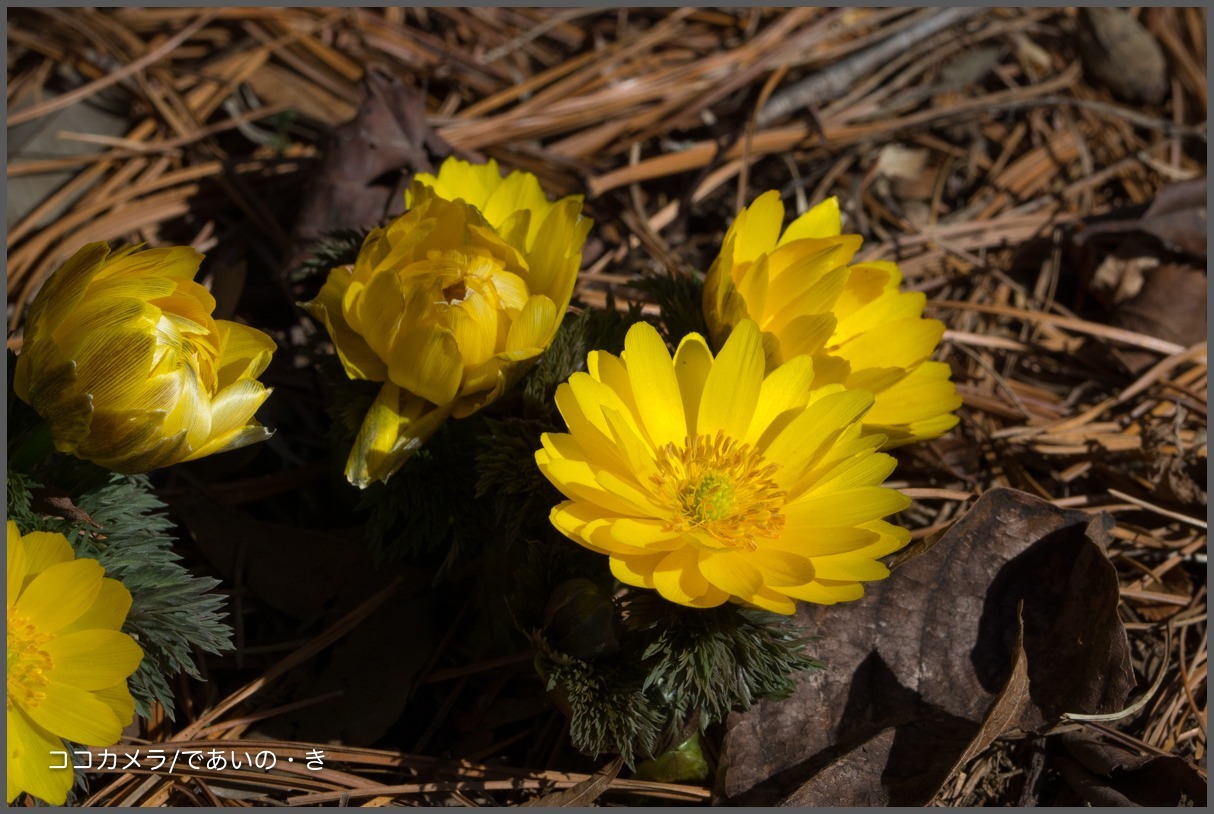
[
  {"x": 172, "y": 611},
  {"x": 680, "y": 296},
  {"x": 338, "y": 247},
  {"x": 608, "y": 712}
]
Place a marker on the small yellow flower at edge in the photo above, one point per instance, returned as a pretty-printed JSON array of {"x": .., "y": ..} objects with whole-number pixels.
[
  {"x": 708, "y": 481},
  {"x": 124, "y": 361},
  {"x": 862, "y": 331},
  {"x": 450, "y": 303},
  {"x": 68, "y": 661}
]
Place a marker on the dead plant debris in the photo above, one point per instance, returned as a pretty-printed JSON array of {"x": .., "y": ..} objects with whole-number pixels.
[{"x": 1039, "y": 173}]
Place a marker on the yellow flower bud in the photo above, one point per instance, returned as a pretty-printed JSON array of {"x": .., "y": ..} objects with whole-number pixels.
[
  {"x": 450, "y": 303},
  {"x": 861, "y": 330},
  {"x": 124, "y": 361}
]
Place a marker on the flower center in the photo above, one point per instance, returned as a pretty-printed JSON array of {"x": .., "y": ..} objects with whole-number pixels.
[
  {"x": 28, "y": 663},
  {"x": 455, "y": 292},
  {"x": 721, "y": 487}
]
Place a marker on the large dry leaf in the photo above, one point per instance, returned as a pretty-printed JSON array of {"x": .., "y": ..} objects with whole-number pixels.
[
  {"x": 927, "y": 668},
  {"x": 1105, "y": 773},
  {"x": 366, "y": 164}
]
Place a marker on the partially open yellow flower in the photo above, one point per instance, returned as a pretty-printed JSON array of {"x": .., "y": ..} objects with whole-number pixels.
[
  {"x": 706, "y": 480},
  {"x": 68, "y": 661},
  {"x": 450, "y": 303},
  {"x": 124, "y": 361},
  {"x": 862, "y": 331}
]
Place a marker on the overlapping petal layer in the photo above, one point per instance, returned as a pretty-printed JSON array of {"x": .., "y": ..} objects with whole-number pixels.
[
  {"x": 68, "y": 661},
  {"x": 125, "y": 362},
  {"x": 708, "y": 480},
  {"x": 807, "y": 297},
  {"x": 450, "y": 303}
]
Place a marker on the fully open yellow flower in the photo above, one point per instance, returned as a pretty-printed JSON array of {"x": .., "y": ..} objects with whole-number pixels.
[
  {"x": 124, "y": 361},
  {"x": 862, "y": 331},
  {"x": 68, "y": 661},
  {"x": 450, "y": 303},
  {"x": 706, "y": 480}
]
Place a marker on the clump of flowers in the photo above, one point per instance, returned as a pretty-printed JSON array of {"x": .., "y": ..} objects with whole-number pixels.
[
  {"x": 68, "y": 661},
  {"x": 450, "y": 303},
  {"x": 710, "y": 480},
  {"x": 124, "y": 361},
  {"x": 862, "y": 331}
]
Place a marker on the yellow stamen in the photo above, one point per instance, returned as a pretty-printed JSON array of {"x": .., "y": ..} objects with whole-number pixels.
[
  {"x": 721, "y": 487},
  {"x": 28, "y": 663}
]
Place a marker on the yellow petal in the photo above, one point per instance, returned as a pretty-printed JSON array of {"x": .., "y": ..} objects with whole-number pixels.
[
  {"x": 76, "y": 715},
  {"x": 60, "y": 594},
  {"x": 474, "y": 324},
  {"x": 757, "y": 227},
  {"x": 232, "y": 423},
  {"x": 44, "y": 549},
  {"x": 771, "y": 600},
  {"x": 635, "y": 571},
  {"x": 427, "y": 362},
  {"x": 519, "y": 191},
  {"x": 692, "y": 363},
  {"x": 849, "y": 568},
  {"x": 806, "y": 334},
  {"x": 64, "y": 289},
  {"x": 595, "y": 439},
  {"x": 899, "y": 344},
  {"x": 107, "y": 612},
  {"x": 655, "y": 387},
  {"x": 18, "y": 563},
  {"x": 382, "y": 310},
  {"x": 594, "y": 397},
  {"x": 677, "y": 577},
  {"x": 781, "y": 398},
  {"x": 556, "y": 254},
  {"x": 30, "y": 761},
  {"x": 732, "y": 387},
  {"x": 857, "y": 471},
  {"x": 244, "y": 352},
  {"x": 460, "y": 179},
  {"x": 646, "y": 533},
  {"x": 824, "y": 592},
  {"x": 118, "y": 698},
  {"x": 579, "y": 521},
  {"x": 511, "y": 290},
  {"x": 822, "y": 220},
  {"x": 579, "y": 481},
  {"x": 92, "y": 659},
  {"x": 782, "y": 567},
  {"x": 535, "y": 325},
  {"x": 821, "y": 541},
  {"x": 731, "y": 572},
  {"x": 808, "y": 436},
  {"x": 396, "y": 426},
  {"x": 846, "y": 508}
]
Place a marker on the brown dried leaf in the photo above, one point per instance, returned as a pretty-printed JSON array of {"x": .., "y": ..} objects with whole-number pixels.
[
  {"x": 926, "y": 667},
  {"x": 389, "y": 133},
  {"x": 1171, "y": 305},
  {"x": 584, "y": 793},
  {"x": 1111, "y": 771},
  {"x": 1118, "y": 51}
]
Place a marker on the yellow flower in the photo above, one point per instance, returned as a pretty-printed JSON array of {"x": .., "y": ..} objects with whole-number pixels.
[
  {"x": 68, "y": 662},
  {"x": 450, "y": 303},
  {"x": 707, "y": 481},
  {"x": 124, "y": 361},
  {"x": 860, "y": 329}
]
